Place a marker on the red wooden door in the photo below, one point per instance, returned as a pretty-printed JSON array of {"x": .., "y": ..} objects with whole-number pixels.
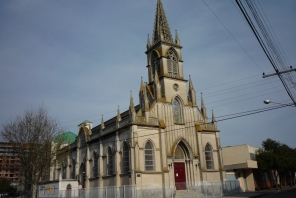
[{"x": 180, "y": 178}]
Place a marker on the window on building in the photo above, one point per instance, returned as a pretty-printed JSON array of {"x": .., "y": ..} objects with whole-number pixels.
[
  {"x": 172, "y": 64},
  {"x": 177, "y": 111},
  {"x": 252, "y": 156},
  {"x": 149, "y": 157},
  {"x": 73, "y": 169},
  {"x": 109, "y": 162},
  {"x": 64, "y": 172},
  {"x": 155, "y": 63},
  {"x": 125, "y": 158},
  {"x": 209, "y": 157},
  {"x": 95, "y": 168}
]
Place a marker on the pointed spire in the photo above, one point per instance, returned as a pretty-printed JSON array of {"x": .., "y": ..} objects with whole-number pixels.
[
  {"x": 118, "y": 114},
  {"x": 191, "y": 93},
  {"x": 213, "y": 117},
  {"x": 102, "y": 123},
  {"x": 146, "y": 101},
  {"x": 132, "y": 106},
  {"x": 191, "y": 88},
  {"x": 148, "y": 43},
  {"x": 161, "y": 30},
  {"x": 177, "y": 40},
  {"x": 203, "y": 108},
  {"x": 142, "y": 85}
]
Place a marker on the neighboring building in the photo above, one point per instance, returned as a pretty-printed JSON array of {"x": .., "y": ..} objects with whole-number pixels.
[
  {"x": 9, "y": 163},
  {"x": 240, "y": 163},
  {"x": 165, "y": 140}
]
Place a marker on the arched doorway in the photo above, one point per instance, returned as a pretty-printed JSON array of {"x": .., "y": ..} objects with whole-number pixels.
[
  {"x": 68, "y": 191},
  {"x": 181, "y": 156}
]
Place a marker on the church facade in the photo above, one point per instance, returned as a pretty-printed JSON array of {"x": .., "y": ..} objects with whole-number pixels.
[{"x": 165, "y": 140}]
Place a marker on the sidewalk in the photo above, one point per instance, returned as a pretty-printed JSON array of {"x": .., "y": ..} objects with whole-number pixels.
[{"x": 257, "y": 193}]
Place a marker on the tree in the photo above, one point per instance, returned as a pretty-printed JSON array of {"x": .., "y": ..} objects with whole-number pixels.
[
  {"x": 278, "y": 158},
  {"x": 6, "y": 188},
  {"x": 31, "y": 134}
]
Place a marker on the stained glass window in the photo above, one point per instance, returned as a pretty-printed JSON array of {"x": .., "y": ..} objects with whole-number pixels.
[
  {"x": 149, "y": 157},
  {"x": 177, "y": 111},
  {"x": 209, "y": 157},
  {"x": 172, "y": 64},
  {"x": 179, "y": 153}
]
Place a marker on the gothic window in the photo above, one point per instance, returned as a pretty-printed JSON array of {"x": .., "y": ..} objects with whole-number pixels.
[
  {"x": 64, "y": 172},
  {"x": 155, "y": 64},
  {"x": 149, "y": 157},
  {"x": 73, "y": 169},
  {"x": 82, "y": 138},
  {"x": 179, "y": 154},
  {"x": 95, "y": 163},
  {"x": 125, "y": 158},
  {"x": 109, "y": 162},
  {"x": 177, "y": 111},
  {"x": 172, "y": 64},
  {"x": 209, "y": 157}
]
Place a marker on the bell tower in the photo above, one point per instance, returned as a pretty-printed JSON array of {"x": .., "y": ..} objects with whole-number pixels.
[{"x": 164, "y": 58}]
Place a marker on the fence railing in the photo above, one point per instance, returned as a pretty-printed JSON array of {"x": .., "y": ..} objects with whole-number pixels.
[{"x": 199, "y": 189}]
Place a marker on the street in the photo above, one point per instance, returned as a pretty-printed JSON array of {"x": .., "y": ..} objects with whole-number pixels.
[{"x": 283, "y": 194}]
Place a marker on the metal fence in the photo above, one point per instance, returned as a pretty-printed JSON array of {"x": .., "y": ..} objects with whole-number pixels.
[{"x": 199, "y": 190}]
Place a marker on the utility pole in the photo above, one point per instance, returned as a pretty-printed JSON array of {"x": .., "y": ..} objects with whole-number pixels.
[{"x": 278, "y": 73}]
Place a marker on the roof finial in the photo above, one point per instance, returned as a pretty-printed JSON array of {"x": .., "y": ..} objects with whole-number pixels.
[
  {"x": 177, "y": 40},
  {"x": 213, "y": 117},
  {"x": 148, "y": 43},
  {"x": 102, "y": 123},
  {"x": 118, "y": 114}
]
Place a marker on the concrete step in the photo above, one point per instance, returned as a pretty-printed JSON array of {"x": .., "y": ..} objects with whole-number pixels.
[{"x": 181, "y": 194}]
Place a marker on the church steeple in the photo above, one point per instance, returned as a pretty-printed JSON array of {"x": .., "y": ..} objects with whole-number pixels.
[
  {"x": 161, "y": 30},
  {"x": 165, "y": 63}
]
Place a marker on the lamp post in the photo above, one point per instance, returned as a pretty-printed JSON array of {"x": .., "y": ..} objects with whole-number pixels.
[{"x": 269, "y": 101}]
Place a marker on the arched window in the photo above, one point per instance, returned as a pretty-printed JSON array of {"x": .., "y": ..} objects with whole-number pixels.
[
  {"x": 73, "y": 169},
  {"x": 64, "y": 167},
  {"x": 95, "y": 163},
  {"x": 149, "y": 157},
  {"x": 109, "y": 162},
  {"x": 125, "y": 158},
  {"x": 172, "y": 64},
  {"x": 209, "y": 157},
  {"x": 82, "y": 138},
  {"x": 155, "y": 63},
  {"x": 177, "y": 111}
]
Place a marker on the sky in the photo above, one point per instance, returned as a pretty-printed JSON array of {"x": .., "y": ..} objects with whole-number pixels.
[{"x": 81, "y": 59}]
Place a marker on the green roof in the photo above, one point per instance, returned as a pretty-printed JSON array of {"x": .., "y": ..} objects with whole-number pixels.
[{"x": 67, "y": 137}]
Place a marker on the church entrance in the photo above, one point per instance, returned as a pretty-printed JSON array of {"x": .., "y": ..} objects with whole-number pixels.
[
  {"x": 181, "y": 168},
  {"x": 180, "y": 178}
]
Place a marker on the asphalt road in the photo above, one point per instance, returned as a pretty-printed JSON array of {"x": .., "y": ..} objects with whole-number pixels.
[{"x": 284, "y": 194}]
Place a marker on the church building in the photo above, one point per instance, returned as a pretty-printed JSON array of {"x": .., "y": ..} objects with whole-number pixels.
[{"x": 167, "y": 139}]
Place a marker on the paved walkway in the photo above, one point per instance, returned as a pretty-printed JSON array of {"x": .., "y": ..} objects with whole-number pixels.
[{"x": 257, "y": 193}]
